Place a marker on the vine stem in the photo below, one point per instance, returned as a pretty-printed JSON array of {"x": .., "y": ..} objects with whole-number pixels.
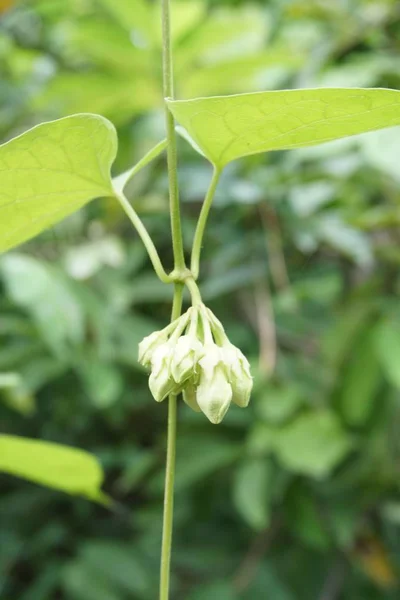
[
  {"x": 168, "y": 517},
  {"x": 194, "y": 291},
  {"x": 168, "y": 88},
  {"x": 179, "y": 265},
  {"x": 201, "y": 224},
  {"x": 145, "y": 237}
]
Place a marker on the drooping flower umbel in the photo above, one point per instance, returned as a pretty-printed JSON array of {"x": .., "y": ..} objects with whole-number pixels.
[{"x": 193, "y": 355}]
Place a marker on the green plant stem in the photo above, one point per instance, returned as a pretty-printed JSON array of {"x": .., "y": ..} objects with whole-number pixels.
[
  {"x": 201, "y": 224},
  {"x": 168, "y": 88},
  {"x": 120, "y": 181},
  {"x": 179, "y": 265},
  {"x": 145, "y": 237},
  {"x": 168, "y": 517},
  {"x": 194, "y": 291}
]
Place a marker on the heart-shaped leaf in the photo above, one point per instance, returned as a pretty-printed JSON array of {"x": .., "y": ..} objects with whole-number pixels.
[
  {"x": 229, "y": 127},
  {"x": 67, "y": 469},
  {"x": 52, "y": 170}
]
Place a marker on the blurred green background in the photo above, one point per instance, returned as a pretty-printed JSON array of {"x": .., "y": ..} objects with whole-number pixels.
[{"x": 297, "y": 497}]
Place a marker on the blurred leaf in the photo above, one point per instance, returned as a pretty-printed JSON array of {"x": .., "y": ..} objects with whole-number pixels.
[
  {"x": 103, "y": 382},
  {"x": 119, "y": 564},
  {"x": 239, "y": 74},
  {"x": 232, "y": 279},
  {"x": 137, "y": 468},
  {"x": 262, "y": 439},
  {"x": 82, "y": 584},
  {"x": 346, "y": 328},
  {"x": 388, "y": 349},
  {"x": 230, "y": 127},
  {"x": 103, "y": 567},
  {"x": 226, "y": 35},
  {"x": 347, "y": 240},
  {"x": 314, "y": 444},
  {"x": 215, "y": 591},
  {"x": 309, "y": 197},
  {"x": 137, "y": 17},
  {"x": 84, "y": 261},
  {"x": 268, "y": 583},
  {"x": 60, "y": 467},
  {"x": 113, "y": 95},
  {"x": 305, "y": 520},
  {"x": 361, "y": 379},
  {"x": 38, "y": 288},
  {"x": 382, "y": 150},
  {"x": 186, "y": 16},
  {"x": 277, "y": 405},
  {"x": 198, "y": 456},
  {"x": 252, "y": 491},
  {"x": 108, "y": 45},
  {"x": 52, "y": 170},
  {"x": 13, "y": 392}
]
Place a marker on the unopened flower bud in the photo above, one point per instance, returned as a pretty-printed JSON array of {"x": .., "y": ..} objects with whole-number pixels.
[
  {"x": 148, "y": 345},
  {"x": 214, "y": 393},
  {"x": 189, "y": 394},
  {"x": 187, "y": 351},
  {"x": 239, "y": 374},
  {"x": 160, "y": 381}
]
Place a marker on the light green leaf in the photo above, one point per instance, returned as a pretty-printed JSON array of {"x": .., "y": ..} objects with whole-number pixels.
[
  {"x": 229, "y": 127},
  {"x": 313, "y": 444},
  {"x": 184, "y": 134},
  {"x": 66, "y": 469},
  {"x": 51, "y": 171}
]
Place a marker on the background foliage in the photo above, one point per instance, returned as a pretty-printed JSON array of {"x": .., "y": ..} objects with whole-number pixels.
[{"x": 298, "y": 497}]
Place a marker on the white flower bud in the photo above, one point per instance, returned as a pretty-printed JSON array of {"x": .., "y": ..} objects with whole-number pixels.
[
  {"x": 160, "y": 381},
  {"x": 239, "y": 372},
  {"x": 148, "y": 345},
  {"x": 187, "y": 351},
  {"x": 189, "y": 394},
  {"x": 214, "y": 393}
]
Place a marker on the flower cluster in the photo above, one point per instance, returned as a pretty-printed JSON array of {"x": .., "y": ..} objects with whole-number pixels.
[{"x": 194, "y": 356}]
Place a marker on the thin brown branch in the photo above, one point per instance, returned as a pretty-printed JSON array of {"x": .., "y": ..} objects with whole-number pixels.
[
  {"x": 333, "y": 585},
  {"x": 276, "y": 257},
  {"x": 266, "y": 328}
]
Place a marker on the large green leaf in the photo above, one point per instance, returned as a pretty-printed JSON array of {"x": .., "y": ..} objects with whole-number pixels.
[
  {"x": 67, "y": 469},
  {"x": 52, "y": 170},
  {"x": 229, "y": 127}
]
